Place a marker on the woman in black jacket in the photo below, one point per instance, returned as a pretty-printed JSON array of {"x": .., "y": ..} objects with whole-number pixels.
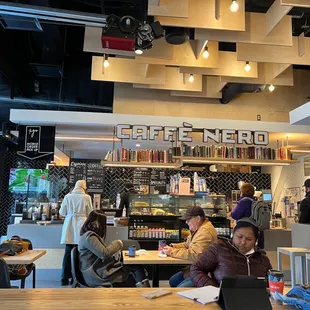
[{"x": 238, "y": 256}]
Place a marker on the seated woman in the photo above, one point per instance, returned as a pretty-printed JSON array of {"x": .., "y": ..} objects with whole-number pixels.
[
  {"x": 224, "y": 258},
  {"x": 100, "y": 263}
]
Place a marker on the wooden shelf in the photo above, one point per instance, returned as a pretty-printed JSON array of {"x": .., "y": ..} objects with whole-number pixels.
[
  {"x": 140, "y": 164},
  {"x": 249, "y": 162}
]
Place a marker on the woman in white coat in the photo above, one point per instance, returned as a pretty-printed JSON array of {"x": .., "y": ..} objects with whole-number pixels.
[{"x": 75, "y": 207}]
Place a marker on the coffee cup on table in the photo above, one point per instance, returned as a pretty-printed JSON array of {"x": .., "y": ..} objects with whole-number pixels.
[{"x": 276, "y": 281}]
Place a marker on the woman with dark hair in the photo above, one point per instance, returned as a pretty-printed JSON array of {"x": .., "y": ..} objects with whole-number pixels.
[
  {"x": 238, "y": 256},
  {"x": 100, "y": 263}
]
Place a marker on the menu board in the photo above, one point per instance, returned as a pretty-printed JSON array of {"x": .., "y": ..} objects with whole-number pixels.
[
  {"x": 158, "y": 181},
  {"x": 89, "y": 170},
  {"x": 141, "y": 180}
]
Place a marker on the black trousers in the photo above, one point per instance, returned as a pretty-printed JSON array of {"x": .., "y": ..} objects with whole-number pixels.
[{"x": 66, "y": 263}]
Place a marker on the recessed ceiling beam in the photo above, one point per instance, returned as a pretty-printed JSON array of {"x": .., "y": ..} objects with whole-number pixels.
[
  {"x": 228, "y": 66},
  {"x": 201, "y": 14},
  {"x": 275, "y": 14},
  {"x": 255, "y": 32},
  {"x": 274, "y": 54}
]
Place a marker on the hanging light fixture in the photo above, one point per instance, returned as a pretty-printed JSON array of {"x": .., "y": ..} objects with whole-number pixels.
[
  {"x": 247, "y": 66},
  {"x": 106, "y": 63},
  {"x": 234, "y": 7},
  {"x": 205, "y": 53},
  {"x": 271, "y": 88},
  {"x": 191, "y": 78}
]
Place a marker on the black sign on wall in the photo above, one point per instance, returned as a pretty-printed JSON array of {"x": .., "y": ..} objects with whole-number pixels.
[
  {"x": 36, "y": 142},
  {"x": 89, "y": 170}
]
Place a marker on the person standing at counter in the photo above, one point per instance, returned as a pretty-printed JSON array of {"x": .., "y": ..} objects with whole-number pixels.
[
  {"x": 244, "y": 208},
  {"x": 75, "y": 207},
  {"x": 304, "y": 217},
  {"x": 202, "y": 235}
]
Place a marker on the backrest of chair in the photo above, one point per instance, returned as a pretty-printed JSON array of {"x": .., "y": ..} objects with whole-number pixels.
[
  {"x": 4, "y": 274},
  {"x": 75, "y": 267},
  {"x": 128, "y": 243}
]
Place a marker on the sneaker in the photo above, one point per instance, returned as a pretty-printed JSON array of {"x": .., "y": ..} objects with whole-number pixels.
[{"x": 64, "y": 282}]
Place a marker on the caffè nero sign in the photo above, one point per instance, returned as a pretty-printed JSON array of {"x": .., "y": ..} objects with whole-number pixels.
[{"x": 182, "y": 134}]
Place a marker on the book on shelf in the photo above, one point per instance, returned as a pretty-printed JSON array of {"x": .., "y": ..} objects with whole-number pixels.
[
  {"x": 233, "y": 152},
  {"x": 143, "y": 156}
]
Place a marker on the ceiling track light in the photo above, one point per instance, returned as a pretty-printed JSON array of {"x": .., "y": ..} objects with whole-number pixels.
[
  {"x": 234, "y": 7},
  {"x": 139, "y": 51},
  {"x": 271, "y": 88},
  {"x": 106, "y": 63},
  {"x": 247, "y": 66},
  {"x": 205, "y": 53},
  {"x": 191, "y": 78}
]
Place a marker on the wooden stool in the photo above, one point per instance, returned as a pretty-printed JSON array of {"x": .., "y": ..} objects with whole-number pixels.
[{"x": 293, "y": 252}]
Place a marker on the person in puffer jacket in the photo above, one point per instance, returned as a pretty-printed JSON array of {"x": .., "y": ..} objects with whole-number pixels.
[{"x": 235, "y": 257}]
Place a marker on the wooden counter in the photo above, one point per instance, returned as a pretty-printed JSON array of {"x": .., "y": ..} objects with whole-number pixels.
[
  {"x": 99, "y": 299},
  {"x": 24, "y": 258}
]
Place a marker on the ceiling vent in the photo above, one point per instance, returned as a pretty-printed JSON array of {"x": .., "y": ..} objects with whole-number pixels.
[
  {"x": 20, "y": 23},
  {"x": 177, "y": 35}
]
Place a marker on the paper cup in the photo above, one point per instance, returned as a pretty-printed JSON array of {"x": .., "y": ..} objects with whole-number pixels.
[{"x": 276, "y": 281}]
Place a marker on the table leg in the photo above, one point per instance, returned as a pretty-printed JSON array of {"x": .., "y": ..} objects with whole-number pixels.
[
  {"x": 155, "y": 275},
  {"x": 293, "y": 275},
  {"x": 279, "y": 260}
]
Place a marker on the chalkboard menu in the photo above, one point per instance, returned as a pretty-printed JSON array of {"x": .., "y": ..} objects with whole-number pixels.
[
  {"x": 158, "y": 180},
  {"x": 89, "y": 170},
  {"x": 141, "y": 180}
]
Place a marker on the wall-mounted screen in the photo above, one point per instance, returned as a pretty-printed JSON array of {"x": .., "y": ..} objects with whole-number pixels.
[{"x": 23, "y": 180}]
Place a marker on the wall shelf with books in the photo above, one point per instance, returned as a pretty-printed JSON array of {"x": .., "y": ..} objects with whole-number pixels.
[
  {"x": 241, "y": 161},
  {"x": 140, "y": 164}
]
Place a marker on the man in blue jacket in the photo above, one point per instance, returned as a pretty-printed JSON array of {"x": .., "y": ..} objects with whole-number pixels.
[{"x": 244, "y": 208}]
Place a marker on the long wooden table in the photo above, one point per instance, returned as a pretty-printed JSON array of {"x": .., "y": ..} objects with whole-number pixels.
[
  {"x": 152, "y": 258},
  {"x": 24, "y": 258},
  {"x": 99, "y": 299}
]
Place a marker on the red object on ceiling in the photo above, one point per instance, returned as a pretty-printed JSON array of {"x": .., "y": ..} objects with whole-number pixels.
[{"x": 115, "y": 43}]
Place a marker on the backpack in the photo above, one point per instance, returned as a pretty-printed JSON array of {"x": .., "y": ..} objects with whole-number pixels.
[{"x": 261, "y": 214}]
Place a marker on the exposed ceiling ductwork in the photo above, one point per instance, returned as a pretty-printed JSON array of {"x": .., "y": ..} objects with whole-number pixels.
[{"x": 233, "y": 90}]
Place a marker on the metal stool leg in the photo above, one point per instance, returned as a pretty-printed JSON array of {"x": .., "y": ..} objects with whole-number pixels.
[
  {"x": 307, "y": 270},
  {"x": 293, "y": 273},
  {"x": 279, "y": 260}
]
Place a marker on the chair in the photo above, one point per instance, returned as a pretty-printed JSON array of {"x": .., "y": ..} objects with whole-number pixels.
[
  {"x": 78, "y": 280},
  {"x": 4, "y": 275},
  {"x": 30, "y": 268}
]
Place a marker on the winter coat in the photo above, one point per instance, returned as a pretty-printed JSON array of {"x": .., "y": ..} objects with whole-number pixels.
[
  {"x": 244, "y": 209},
  {"x": 223, "y": 259},
  {"x": 100, "y": 263},
  {"x": 305, "y": 210},
  {"x": 195, "y": 243},
  {"x": 76, "y": 207}
]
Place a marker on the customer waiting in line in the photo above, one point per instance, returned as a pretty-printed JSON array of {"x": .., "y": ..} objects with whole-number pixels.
[
  {"x": 202, "y": 234},
  {"x": 225, "y": 257},
  {"x": 244, "y": 207},
  {"x": 75, "y": 207},
  {"x": 100, "y": 263}
]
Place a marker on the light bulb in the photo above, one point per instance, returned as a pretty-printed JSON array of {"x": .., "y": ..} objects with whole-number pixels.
[
  {"x": 138, "y": 51},
  {"x": 106, "y": 63},
  {"x": 191, "y": 78},
  {"x": 271, "y": 88},
  {"x": 234, "y": 7},
  {"x": 205, "y": 54},
  {"x": 247, "y": 67}
]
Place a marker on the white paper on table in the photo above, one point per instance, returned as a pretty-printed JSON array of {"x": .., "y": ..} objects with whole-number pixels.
[{"x": 203, "y": 295}]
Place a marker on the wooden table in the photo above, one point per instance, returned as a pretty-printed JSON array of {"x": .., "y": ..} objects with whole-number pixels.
[
  {"x": 99, "y": 299},
  {"x": 24, "y": 258},
  {"x": 152, "y": 258}
]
